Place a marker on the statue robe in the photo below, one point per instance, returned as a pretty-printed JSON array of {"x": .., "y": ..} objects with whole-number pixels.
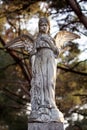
[{"x": 43, "y": 83}]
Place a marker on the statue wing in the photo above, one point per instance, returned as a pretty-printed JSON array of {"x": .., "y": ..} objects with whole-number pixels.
[
  {"x": 23, "y": 41},
  {"x": 62, "y": 37}
]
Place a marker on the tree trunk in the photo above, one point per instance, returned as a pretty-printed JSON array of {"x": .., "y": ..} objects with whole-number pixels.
[{"x": 76, "y": 8}]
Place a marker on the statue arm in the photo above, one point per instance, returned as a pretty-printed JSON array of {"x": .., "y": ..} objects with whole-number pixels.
[
  {"x": 52, "y": 45},
  {"x": 33, "y": 51}
]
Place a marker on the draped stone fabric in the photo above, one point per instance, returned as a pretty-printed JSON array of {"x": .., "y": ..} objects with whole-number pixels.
[{"x": 43, "y": 106}]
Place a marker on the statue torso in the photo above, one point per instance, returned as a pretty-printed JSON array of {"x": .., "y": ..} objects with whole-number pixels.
[{"x": 41, "y": 41}]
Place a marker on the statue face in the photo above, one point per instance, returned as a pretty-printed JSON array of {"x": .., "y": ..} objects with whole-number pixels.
[{"x": 43, "y": 27}]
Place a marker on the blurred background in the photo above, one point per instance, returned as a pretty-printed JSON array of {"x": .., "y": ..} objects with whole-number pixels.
[{"x": 21, "y": 17}]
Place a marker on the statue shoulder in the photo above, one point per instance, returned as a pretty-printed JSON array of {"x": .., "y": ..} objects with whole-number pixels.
[{"x": 41, "y": 41}]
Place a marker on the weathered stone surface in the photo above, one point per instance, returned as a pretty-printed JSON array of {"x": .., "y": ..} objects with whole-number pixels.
[
  {"x": 43, "y": 105},
  {"x": 46, "y": 126}
]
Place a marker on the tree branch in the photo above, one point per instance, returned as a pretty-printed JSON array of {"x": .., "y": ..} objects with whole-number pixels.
[
  {"x": 14, "y": 96},
  {"x": 72, "y": 71},
  {"x": 76, "y": 8},
  {"x": 81, "y": 95},
  {"x": 19, "y": 61},
  {"x": 78, "y": 64}
]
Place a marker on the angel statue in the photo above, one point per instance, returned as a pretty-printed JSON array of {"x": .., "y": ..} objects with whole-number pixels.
[{"x": 44, "y": 51}]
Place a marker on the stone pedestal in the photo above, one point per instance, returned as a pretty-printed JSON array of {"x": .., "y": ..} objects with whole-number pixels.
[{"x": 45, "y": 126}]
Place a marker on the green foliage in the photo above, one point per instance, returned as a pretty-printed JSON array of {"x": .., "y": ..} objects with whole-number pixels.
[
  {"x": 12, "y": 106},
  {"x": 10, "y": 116},
  {"x": 78, "y": 125},
  {"x": 5, "y": 59},
  {"x": 19, "y": 123}
]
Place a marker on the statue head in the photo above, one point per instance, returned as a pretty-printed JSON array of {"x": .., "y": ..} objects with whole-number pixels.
[{"x": 44, "y": 25}]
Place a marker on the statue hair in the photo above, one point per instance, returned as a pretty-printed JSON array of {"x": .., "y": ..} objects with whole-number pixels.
[{"x": 45, "y": 20}]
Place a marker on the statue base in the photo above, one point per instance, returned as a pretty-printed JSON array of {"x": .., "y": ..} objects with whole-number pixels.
[
  {"x": 46, "y": 115},
  {"x": 45, "y": 126}
]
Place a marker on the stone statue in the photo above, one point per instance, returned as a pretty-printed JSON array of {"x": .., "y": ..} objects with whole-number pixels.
[
  {"x": 44, "y": 51},
  {"x": 43, "y": 80}
]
